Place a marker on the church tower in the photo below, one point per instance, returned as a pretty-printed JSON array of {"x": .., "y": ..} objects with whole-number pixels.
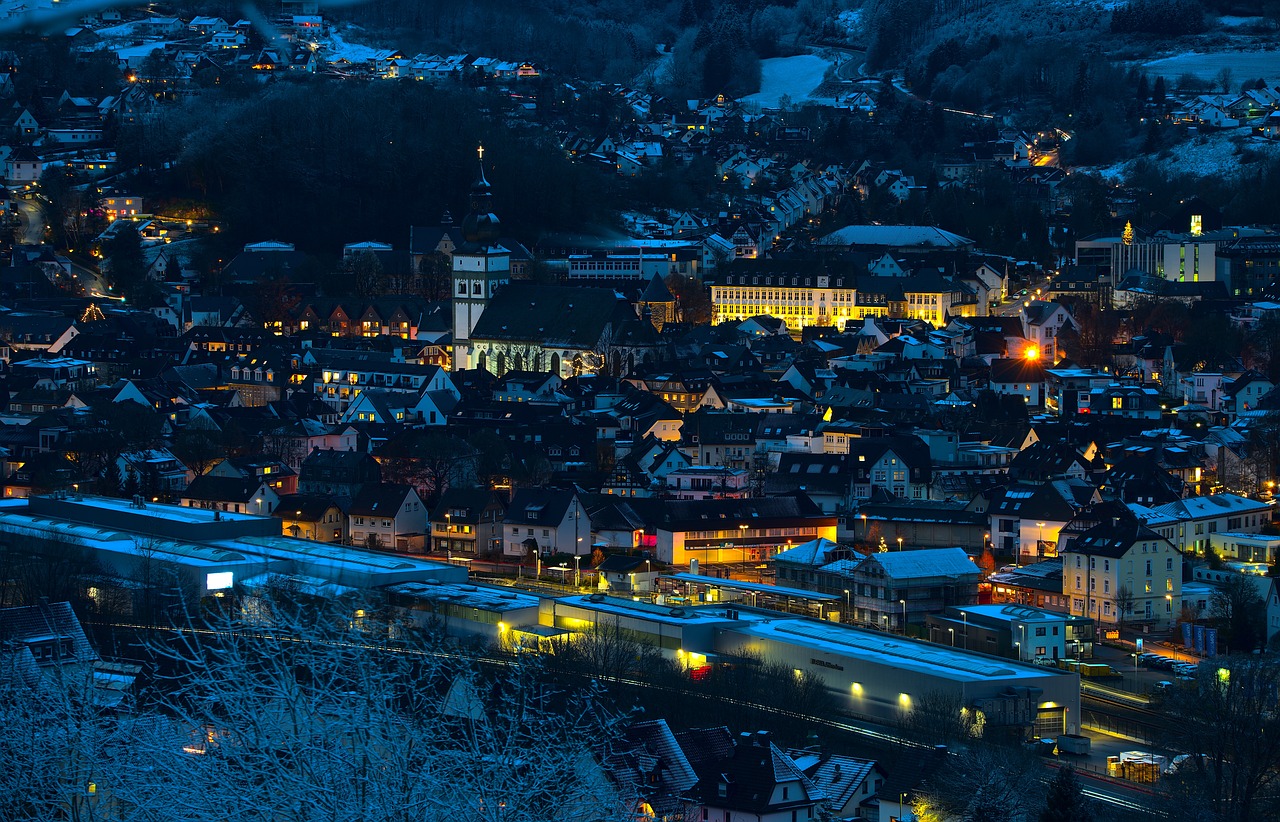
[{"x": 480, "y": 266}]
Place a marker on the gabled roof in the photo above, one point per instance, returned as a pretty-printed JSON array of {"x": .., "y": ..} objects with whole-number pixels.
[
  {"x": 222, "y": 489},
  {"x": 544, "y": 506},
  {"x": 25, "y": 626},
  {"x": 924, "y": 563},
  {"x": 305, "y": 507},
  {"x": 466, "y": 505},
  {"x": 814, "y": 553},
  {"x": 749, "y": 768},
  {"x": 1112, "y": 539},
  {"x": 382, "y": 499},
  {"x": 568, "y": 316}
]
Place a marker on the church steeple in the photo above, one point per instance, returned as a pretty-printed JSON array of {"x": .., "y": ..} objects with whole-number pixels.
[
  {"x": 481, "y": 226},
  {"x": 481, "y": 266}
]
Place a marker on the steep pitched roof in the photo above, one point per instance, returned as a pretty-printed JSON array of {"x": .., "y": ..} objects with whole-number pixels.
[
  {"x": 567, "y": 316},
  {"x": 1112, "y": 539},
  {"x": 381, "y": 499},
  {"x": 925, "y": 562}
]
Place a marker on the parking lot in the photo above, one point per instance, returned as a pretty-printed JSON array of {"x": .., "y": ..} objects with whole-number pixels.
[{"x": 1157, "y": 664}]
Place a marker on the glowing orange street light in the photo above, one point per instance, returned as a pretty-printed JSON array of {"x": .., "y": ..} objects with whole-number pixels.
[{"x": 1031, "y": 353}]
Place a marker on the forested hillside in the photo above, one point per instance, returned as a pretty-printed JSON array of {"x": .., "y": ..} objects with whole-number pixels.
[
  {"x": 684, "y": 47},
  {"x": 359, "y": 161}
]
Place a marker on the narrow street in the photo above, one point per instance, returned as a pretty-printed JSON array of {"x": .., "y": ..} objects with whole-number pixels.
[{"x": 32, "y": 228}]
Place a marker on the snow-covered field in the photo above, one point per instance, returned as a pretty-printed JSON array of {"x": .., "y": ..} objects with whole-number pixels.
[
  {"x": 1243, "y": 65},
  {"x": 338, "y": 48},
  {"x": 795, "y": 77},
  {"x": 1231, "y": 21},
  {"x": 1211, "y": 155}
]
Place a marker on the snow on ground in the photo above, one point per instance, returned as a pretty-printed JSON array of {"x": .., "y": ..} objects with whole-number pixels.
[
  {"x": 339, "y": 48},
  {"x": 795, "y": 77},
  {"x": 144, "y": 50},
  {"x": 128, "y": 29},
  {"x": 1230, "y": 21},
  {"x": 1101, "y": 5},
  {"x": 1243, "y": 64},
  {"x": 1210, "y": 155},
  {"x": 850, "y": 22}
]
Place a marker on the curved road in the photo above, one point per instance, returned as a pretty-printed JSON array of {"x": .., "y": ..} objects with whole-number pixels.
[
  {"x": 31, "y": 232},
  {"x": 33, "y": 224}
]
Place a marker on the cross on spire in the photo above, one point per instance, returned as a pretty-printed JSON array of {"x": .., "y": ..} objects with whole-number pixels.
[{"x": 480, "y": 151}]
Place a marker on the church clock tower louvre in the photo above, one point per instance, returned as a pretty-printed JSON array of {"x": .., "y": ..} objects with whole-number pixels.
[{"x": 480, "y": 267}]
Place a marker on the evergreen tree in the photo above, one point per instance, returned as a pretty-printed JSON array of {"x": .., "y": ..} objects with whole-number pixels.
[
  {"x": 688, "y": 15},
  {"x": 1158, "y": 90},
  {"x": 1066, "y": 802}
]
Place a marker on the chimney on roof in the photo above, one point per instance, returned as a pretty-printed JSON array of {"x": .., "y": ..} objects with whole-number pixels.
[{"x": 762, "y": 738}]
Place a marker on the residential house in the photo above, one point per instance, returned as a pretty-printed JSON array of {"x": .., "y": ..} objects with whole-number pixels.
[
  {"x": 281, "y": 478},
  {"x": 388, "y": 515},
  {"x": 312, "y": 516},
  {"x": 546, "y": 521},
  {"x": 1188, "y": 524},
  {"x": 235, "y": 494},
  {"x": 747, "y": 778},
  {"x": 338, "y": 473},
  {"x": 468, "y": 522},
  {"x": 1120, "y": 571},
  {"x": 153, "y": 471},
  {"x": 626, "y": 575}
]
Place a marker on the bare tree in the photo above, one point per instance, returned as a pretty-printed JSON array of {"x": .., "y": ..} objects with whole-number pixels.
[
  {"x": 1124, "y": 603},
  {"x": 55, "y": 742},
  {"x": 1227, "y": 716},
  {"x": 315, "y": 711},
  {"x": 940, "y": 718},
  {"x": 986, "y": 783}
]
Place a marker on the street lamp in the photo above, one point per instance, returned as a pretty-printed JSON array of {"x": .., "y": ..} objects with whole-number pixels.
[
  {"x": 448, "y": 530},
  {"x": 964, "y": 615},
  {"x": 899, "y": 543},
  {"x": 865, "y": 532},
  {"x": 846, "y": 605},
  {"x": 952, "y": 631},
  {"x": 576, "y": 578},
  {"x": 903, "y": 603},
  {"x": 1040, "y": 539}
]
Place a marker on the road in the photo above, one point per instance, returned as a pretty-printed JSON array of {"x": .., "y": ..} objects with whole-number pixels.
[
  {"x": 31, "y": 232},
  {"x": 33, "y": 225}
]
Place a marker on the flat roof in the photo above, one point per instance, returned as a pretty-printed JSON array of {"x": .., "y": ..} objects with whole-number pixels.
[
  {"x": 333, "y": 554},
  {"x": 664, "y": 614},
  {"x": 160, "y": 510},
  {"x": 470, "y": 595},
  {"x": 108, "y": 539},
  {"x": 878, "y": 648},
  {"x": 757, "y": 587},
  {"x": 1009, "y": 611}
]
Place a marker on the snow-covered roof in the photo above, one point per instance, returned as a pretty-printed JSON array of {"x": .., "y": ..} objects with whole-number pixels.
[
  {"x": 895, "y": 235},
  {"x": 926, "y": 562}
]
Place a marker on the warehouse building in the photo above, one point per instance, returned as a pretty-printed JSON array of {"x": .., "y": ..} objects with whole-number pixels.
[
  {"x": 202, "y": 551},
  {"x": 876, "y": 675}
]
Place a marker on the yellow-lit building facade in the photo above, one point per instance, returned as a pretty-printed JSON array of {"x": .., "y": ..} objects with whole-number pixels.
[
  {"x": 799, "y": 300},
  {"x": 802, "y": 300}
]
